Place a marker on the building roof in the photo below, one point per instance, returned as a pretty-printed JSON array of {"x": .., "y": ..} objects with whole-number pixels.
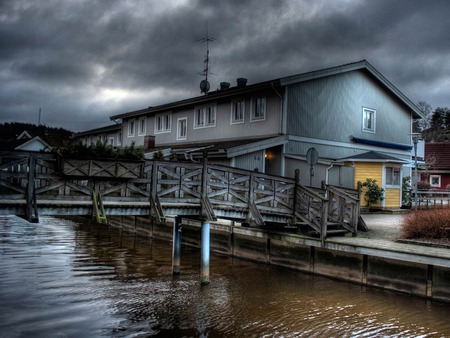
[
  {"x": 372, "y": 156},
  {"x": 226, "y": 149},
  {"x": 437, "y": 155},
  {"x": 209, "y": 97},
  {"x": 223, "y": 93},
  {"x": 110, "y": 128}
]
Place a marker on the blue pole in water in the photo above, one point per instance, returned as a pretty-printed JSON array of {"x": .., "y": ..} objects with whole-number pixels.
[
  {"x": 176, "y": 250},
  {"x": 205, "y": 253}
]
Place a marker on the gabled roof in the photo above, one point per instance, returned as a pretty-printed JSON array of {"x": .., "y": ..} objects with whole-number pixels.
[
  {"x": 24, "y": 135},
  {"x": 372, "y": 156},
  {"x": 437, "y": 155},
  {"x": 281, "y": 82},
  {"x": 360, "y": 65},
  {"x": 34, "y": 144}
]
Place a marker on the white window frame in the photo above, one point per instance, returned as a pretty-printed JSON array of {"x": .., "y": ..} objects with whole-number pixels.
[
  {"x": 111, "y": 141},
  {"x": 181, "y": 136},
  {"x": 163, "y": 123},
  {"x": 234, "y": 111},
  {"x": 373, "y": 114},
  {"x": 435, "y": 185},
  {"x": 394, "y": 169},
  {"x": 205, "y": 116},
  {"x": 142, "y": 126},
  {"x": 256, "y": 109},
  {"x": 131, "y": 127},
  {"x": 119, "y": 138}
]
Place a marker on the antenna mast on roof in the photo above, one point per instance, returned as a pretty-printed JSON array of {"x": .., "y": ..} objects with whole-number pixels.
[{"x": 204, "y": 84}]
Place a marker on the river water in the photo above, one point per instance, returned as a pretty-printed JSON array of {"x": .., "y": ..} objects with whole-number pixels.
[{"x": 60, "y": 278}]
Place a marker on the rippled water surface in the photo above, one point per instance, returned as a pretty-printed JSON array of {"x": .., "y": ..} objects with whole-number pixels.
[{"x": 60, "y": 278}]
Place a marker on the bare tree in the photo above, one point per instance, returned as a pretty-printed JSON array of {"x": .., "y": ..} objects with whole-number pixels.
[{"x": 425, "y": 123}]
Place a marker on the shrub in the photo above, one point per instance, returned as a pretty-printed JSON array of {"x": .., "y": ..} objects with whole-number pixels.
[
  {"x": 427, "y": 224},
  {"x": 373, "y": 192},
  {"x": 406, "y": 192},
  {"x": 423, "y": 185}
]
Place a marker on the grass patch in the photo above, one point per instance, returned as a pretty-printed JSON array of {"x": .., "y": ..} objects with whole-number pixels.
[{"x": 427, "y": 224}]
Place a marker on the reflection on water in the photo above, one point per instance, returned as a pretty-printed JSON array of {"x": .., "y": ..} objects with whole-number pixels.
[{"x": 65, "y": 279}]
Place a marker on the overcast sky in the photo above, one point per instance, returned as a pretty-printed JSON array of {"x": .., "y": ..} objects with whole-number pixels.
[{"x": 82, "y": 61}]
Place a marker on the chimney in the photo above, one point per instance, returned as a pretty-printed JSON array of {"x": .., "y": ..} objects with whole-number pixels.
[
  {"x": 241, "y": 82},
  {"x": 224, "y": 85}
]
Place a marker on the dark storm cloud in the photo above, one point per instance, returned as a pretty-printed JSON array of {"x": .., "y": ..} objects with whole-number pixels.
[{"x": 82, "y": 61}]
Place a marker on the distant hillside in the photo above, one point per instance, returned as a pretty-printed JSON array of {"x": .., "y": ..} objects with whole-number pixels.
[{"x": 53, "y": 136}]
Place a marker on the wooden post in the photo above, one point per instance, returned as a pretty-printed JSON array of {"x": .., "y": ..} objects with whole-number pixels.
[
  {"x": 205, "y": 252},
  {"x": 294, "y": 203},
  {"x": 324, "y": 224},
  {"x": 31, "y": 211},
  {"x": 176, "y": 246}
]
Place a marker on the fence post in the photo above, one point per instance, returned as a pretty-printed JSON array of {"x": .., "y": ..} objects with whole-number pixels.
[{"x": 324, "y": 222}]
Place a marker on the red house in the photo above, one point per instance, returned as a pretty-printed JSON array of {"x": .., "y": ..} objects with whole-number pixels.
[{"x": 437, "y": 158}]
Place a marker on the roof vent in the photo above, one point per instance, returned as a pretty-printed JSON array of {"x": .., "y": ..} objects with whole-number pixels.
[
  {"x": 224, "y": 85},
  {"x": 241, "y": 82}
]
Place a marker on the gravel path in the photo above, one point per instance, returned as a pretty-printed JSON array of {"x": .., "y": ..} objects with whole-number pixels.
[{"x": 382, "y": 226}]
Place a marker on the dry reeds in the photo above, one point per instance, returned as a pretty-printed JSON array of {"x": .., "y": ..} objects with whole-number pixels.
[{"x": 427, "y": 224}]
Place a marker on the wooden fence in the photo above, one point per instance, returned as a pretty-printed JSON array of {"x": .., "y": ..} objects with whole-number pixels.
[{"x": 432, "y": 199}]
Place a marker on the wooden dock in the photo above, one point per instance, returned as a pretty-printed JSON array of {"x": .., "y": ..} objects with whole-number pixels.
[{"x": 33, "y": 184}]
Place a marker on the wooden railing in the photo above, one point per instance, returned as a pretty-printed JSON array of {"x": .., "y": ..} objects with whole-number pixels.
[
  {"x": 344, "y": 207},
  {"x": 165, "y": 188},
  {"x": 432, "y": 199}
]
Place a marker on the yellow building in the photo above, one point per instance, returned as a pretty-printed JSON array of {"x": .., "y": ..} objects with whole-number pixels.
[{"x": 385, "y": 169}]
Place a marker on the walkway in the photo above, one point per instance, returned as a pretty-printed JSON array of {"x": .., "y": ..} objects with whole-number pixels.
[{"x": 380, "y": 240}]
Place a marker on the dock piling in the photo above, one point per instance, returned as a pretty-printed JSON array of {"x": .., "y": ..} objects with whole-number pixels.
[
  {"x": 205, "y": 252},
  {"x": 176, "y": 248}
]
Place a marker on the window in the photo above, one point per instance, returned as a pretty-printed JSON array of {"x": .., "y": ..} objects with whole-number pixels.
[
  {"x": 205, "y": 116},
  {"x": 130, "y": 128},
  {"x": 237, "y": 111},
  {"x": 369, "y": 116},
  {"x": 163, "y": 123},
  {"x": 393, "y": 176},
  {"x": 259, "y": 109},
  {"x": 182, "y": 129},
  {"x": 142, "y": 126},
  {"x": 111, "y": 141},
  {"x": 435, "y": 181},
  {"x": 119, "y": 138}
]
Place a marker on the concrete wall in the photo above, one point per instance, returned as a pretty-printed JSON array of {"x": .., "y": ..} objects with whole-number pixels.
[{"x": 305, "y": 254}]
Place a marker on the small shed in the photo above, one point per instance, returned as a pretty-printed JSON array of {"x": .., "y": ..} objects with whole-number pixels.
[{"x": 385, "y": 169}]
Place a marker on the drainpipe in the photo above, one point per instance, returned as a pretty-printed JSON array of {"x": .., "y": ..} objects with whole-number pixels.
[{"x": 280, "y": 129}]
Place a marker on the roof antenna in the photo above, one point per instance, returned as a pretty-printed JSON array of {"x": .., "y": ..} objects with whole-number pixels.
[{"x": 204, "y": 84}]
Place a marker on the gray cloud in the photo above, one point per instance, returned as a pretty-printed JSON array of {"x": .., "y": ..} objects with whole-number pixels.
[{"x": 82, "y": 61}]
